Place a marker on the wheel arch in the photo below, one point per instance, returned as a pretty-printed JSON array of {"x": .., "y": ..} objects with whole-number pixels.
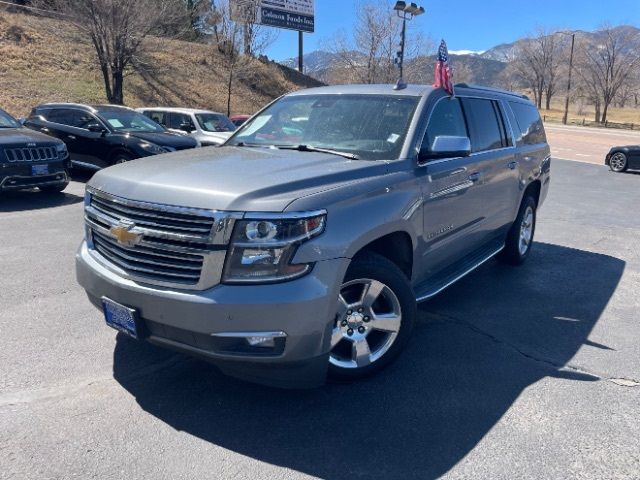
[{"x": 396, "y": 246}]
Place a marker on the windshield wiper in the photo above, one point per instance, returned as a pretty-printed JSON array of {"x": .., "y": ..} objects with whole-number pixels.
[
  {"x": 249, "y": 145},
  {"x": 309, "y": 148}
]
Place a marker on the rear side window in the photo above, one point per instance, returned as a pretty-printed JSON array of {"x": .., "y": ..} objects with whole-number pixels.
[
  {"x": 529, "y": 123},
  {"x": 69, "y": 117},
  {"x": 446, "y": 120},
  {"x": 485, "y": 124},
  {"x": 158, "y": 117},
  {"x": 176, "y": 120}
]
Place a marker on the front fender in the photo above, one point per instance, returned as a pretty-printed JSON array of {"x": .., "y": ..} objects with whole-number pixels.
[{"x": 355, "y": 222}]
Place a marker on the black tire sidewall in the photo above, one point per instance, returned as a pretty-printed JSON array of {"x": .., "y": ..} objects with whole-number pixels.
[
  {"x": 511, "y": 252},
  {"x": 377, "y": 267}
]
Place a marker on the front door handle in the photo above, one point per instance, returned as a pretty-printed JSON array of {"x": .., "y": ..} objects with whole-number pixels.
[
  {"x": 71, "y": 137},
  {"x": 474, "y": 177},
  {"x": 512, "y": 165}
]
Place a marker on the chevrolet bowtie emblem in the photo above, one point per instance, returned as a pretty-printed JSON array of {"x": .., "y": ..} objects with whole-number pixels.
[{"x": 123, "y": 234}]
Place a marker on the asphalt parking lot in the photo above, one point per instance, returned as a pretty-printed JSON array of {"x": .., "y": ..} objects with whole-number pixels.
[{"x": 528, "y": 372}]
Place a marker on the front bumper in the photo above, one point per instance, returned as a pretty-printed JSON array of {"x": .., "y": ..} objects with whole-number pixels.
[
  {"x": 199, "y": 323},
  {"x": 18, "y": 176}
]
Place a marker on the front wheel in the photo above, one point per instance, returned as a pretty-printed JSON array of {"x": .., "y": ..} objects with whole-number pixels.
[
  {"x": 520, "y": 237},
  {"x": 376, "y": 311},
  {"x": 121, "y": 158},
  {"x": 618, "y": 162}
]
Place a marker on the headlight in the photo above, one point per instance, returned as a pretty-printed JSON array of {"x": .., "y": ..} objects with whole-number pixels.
[
  {"x": 261, "y": 250},
  {"x": 61, "y": 149},
  {"x": 153, "y": 148}
]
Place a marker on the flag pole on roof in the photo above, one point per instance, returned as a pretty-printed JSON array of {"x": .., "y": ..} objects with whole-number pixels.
[{"x": 443, "y": 74}]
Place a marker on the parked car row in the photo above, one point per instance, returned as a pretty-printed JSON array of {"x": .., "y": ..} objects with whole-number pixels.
[{"x": 38, "y": 151}]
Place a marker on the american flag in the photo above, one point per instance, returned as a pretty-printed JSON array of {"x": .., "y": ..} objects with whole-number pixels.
[{"x": 443, "y": 70}]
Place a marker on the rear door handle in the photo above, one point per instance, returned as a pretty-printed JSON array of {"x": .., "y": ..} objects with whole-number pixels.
[
  {"x": 512, "y": 165},
  {"x": 474, "y": 177}
]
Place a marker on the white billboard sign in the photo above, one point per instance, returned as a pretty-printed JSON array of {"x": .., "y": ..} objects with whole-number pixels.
[{"x": 290, "y": 14}]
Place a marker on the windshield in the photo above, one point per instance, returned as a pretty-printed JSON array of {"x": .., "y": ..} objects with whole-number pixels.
[
  {"x": 122, "y": 120},
  {"x": 373, "y": 127},
  {"x": 7, "y": 121},
  {"x": 215, "y": 122}
]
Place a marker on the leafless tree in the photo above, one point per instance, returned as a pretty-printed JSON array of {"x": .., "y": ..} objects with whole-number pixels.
[
  {"x": 367, "y": 54},
  {"x": 536, "y": 61},
  {"x": 232, "y": 33},
  {"x": 118, "y": 29},
  {"x": 607, "y": 64}
]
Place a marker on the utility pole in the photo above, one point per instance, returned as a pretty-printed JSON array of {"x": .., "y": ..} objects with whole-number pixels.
[
  {"x": 565, "y": 118},
  {"x": 300, "y": 51},
  {"x": 405, "y": 12}
]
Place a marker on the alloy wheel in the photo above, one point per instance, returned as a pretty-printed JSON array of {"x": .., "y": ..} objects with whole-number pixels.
[
  {"x": 367, "y": 323},
  {"x": 618, "y": 162},
  {"x": 526, "y": 231}
]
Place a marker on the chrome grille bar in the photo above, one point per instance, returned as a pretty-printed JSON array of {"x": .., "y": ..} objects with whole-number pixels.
[{"x": 173, "y": 246}]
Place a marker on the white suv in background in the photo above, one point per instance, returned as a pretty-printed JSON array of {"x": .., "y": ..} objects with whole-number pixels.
[{"x": 207, "y": 127}]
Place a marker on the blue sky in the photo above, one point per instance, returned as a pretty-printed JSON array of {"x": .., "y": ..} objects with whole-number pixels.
[{"x": 471, "y": 24}]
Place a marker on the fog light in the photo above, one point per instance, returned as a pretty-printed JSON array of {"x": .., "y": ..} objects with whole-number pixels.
[{"x": 268, "y": 342}]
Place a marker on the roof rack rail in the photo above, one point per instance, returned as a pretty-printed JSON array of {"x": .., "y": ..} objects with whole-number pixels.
[{"x": 491, "y": 89}]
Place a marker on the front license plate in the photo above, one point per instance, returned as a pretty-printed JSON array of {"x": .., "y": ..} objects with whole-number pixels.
[
  {"x": 120, "y": 317},
  {"x": 39, "y": 170}
]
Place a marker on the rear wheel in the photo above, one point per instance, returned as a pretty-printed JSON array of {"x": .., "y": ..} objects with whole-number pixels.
[
  {"x": 618, "y": 162},
  {"x": 520, "y": 237},
  {"x": 376, "y": 311}
]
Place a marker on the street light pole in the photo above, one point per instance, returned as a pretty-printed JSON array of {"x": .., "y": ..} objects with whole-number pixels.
[
  {"x": 565, "y": 118},
  {"x": 405, "y": 12}
]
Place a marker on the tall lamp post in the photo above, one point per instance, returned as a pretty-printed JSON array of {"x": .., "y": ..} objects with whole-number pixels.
[
  {"x": 565, "y": 117},
  {"x": 405, "y": 12}
]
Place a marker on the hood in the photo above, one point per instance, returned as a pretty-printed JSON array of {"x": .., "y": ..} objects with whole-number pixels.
[
  {"x": 10, "y": 137},
  {"x": 232, "y": 178},
  {"x": 166, "y": 139},
  {"x": 222, "y": 136}
]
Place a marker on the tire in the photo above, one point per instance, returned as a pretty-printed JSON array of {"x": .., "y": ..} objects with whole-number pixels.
[
  {"x": 121, "y": 158},
  {"x": 520, "y": 237},
  {"x": 618, "y": 162},
  {"x": 362, "y": 344},
  {"x": 53, "y": 188}
]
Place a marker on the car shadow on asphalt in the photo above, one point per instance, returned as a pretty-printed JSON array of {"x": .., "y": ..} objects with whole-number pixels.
[
  {"x": 25, "y": 200},
  {"x": 475, "y": 348}
]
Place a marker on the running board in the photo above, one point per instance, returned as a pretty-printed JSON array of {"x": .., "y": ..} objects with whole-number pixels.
[{"x": 457, "y": 271}]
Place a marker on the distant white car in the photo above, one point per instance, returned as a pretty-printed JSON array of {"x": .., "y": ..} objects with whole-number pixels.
[{"x": 207, "y": 127}]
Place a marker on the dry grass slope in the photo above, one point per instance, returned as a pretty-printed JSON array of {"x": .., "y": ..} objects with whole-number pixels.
[{"x": 43, "y": 60}]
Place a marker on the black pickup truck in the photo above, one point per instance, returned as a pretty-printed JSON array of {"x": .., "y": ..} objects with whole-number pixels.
[{"x": 30, "y": 159}]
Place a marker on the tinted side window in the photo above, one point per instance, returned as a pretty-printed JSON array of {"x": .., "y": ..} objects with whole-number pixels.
[
  {"x": 529, "y": 122},
  {"x": 446, "y": 120},
  {"x": 70, "y": 117},
  {"x": 485, "y": 125},
  {"x": 178, "y": 119}
]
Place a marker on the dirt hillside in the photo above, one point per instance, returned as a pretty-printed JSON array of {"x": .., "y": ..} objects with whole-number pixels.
[{"x": 44, "y": 60}]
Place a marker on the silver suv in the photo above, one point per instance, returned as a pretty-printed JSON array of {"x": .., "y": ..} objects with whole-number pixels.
[{"x": 301, "y": 247}]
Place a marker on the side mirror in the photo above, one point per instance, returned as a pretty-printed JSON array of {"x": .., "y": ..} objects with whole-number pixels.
[
  {"x": 96, "y": 128},
  {"x": 187, "y": 127},
  {"x": 445, "y": 146}
]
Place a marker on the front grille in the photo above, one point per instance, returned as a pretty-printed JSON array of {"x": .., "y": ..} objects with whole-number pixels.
[
  {"x": 170, "y": 222},
  {"x": 164, "y": 245},
  {"x": 31, "y": 154},
  {"x": 151, "y": 262}
]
